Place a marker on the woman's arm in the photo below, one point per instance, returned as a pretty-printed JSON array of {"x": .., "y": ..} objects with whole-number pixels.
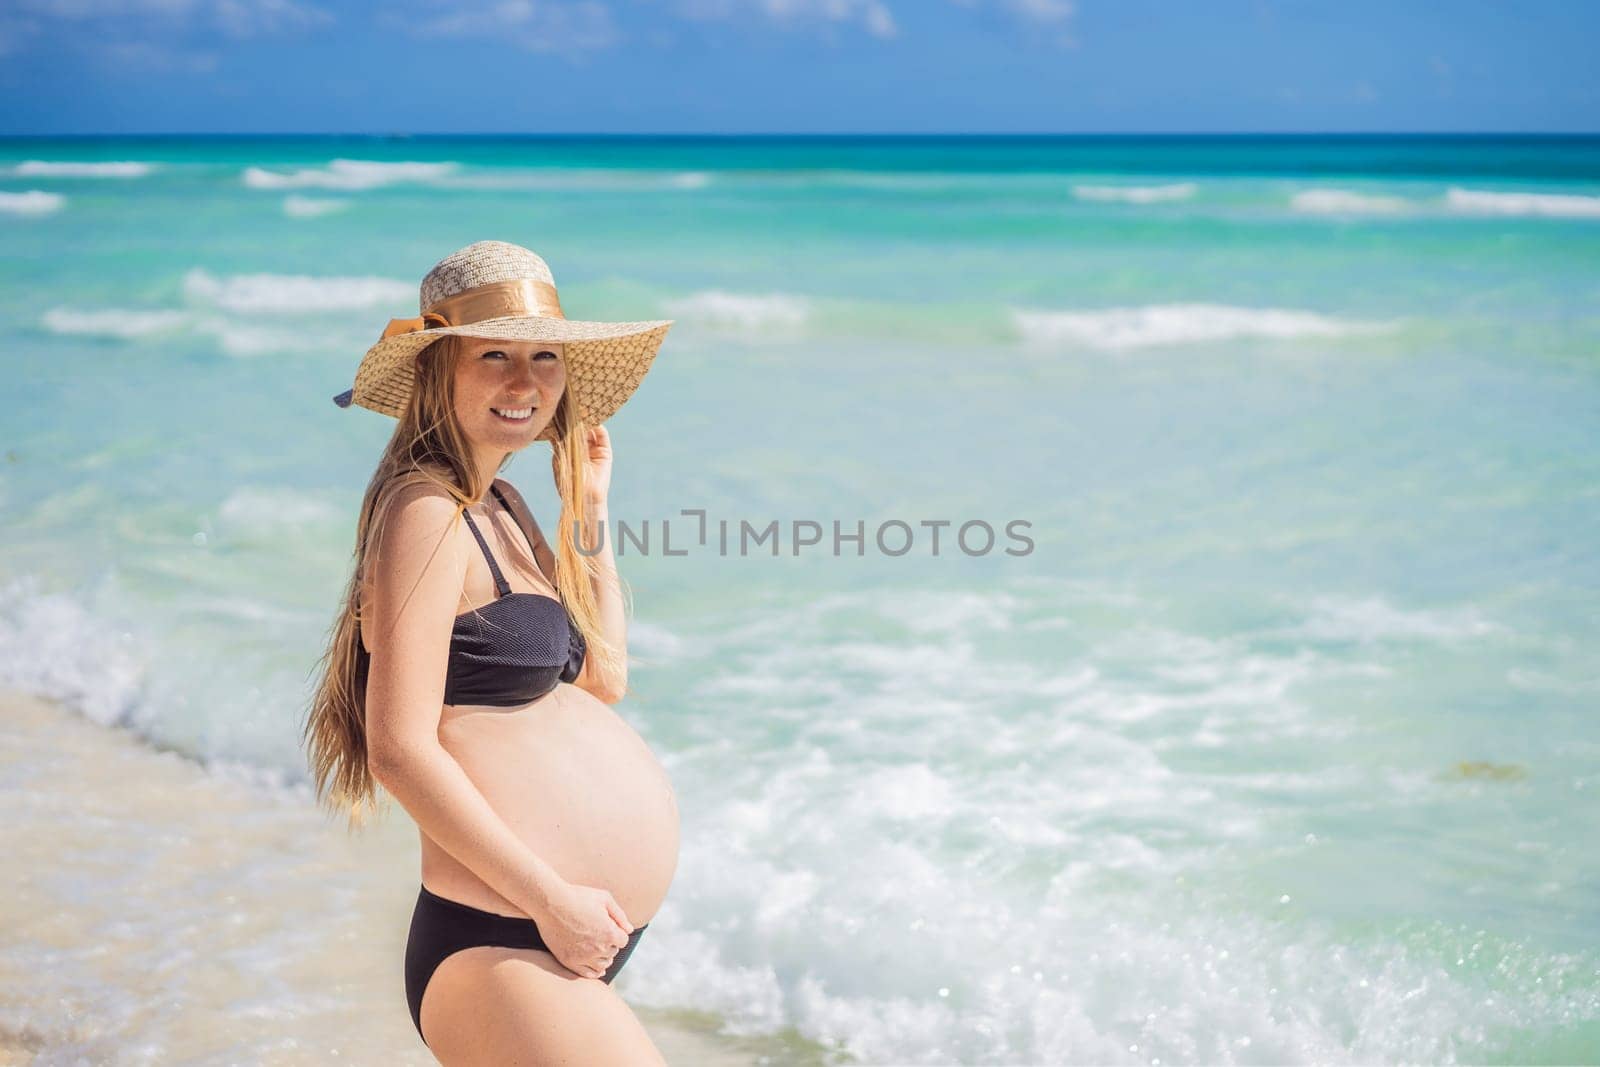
[{"x": 419, "y": 567}]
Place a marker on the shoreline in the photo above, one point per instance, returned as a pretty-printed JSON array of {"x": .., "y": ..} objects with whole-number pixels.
[{"x": 251, "y": 926}]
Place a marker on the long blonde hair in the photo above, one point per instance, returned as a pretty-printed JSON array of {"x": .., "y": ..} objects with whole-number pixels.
[{"x": 428, "y": 444}]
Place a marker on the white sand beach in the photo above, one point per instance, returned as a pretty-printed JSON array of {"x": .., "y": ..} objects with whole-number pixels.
[{"x": 160, "y": 912}]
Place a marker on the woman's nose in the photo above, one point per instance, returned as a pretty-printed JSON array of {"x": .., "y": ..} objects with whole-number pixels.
[{"x": 523, "y": 378}]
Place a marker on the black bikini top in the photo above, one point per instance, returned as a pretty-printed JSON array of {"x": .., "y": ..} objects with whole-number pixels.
[{"x": 512, "y": 651}]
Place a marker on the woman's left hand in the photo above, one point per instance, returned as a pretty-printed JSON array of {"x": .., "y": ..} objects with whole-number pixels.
[{"x": 597, "y": 465}]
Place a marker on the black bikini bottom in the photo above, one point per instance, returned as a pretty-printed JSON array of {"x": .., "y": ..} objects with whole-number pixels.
[{"x": 441, "y": 926}]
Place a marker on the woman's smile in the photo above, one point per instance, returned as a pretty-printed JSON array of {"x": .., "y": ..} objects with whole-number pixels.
[{"x": 518, "y": 384}]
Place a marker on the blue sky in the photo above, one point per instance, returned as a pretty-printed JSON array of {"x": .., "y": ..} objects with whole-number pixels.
[{"x": 798, "y": 66}]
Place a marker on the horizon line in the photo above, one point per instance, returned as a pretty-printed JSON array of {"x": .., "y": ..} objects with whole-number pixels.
[{"x": 768, "y": 135}]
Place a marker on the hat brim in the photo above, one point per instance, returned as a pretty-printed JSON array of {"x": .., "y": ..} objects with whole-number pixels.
[{"x": 606, "y": 361}]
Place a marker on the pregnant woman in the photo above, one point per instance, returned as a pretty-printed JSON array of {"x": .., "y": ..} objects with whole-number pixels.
[{"x": 473, "y": 669}]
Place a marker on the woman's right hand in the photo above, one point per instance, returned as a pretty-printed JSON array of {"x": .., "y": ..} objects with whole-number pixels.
[{"x": 584, "y": 927}]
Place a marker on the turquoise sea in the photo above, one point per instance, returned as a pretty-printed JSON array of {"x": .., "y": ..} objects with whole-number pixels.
[{"x": 1276, "y": 742}]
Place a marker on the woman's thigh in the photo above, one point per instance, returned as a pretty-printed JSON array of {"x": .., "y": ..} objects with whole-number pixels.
[{"x": 491, "y": 1005}]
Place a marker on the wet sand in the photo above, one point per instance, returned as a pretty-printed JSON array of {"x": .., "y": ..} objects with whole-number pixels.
[{"x": 161, "y": 912}]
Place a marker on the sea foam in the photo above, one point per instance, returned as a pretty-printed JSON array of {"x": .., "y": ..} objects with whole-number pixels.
[
  {"x": 1559, "y": 205},
  {"x": 1344, "y": 202},
  {"x": 1175, "y": 324},
  {"x": 579, "y": 179},
  {"x": 306, "y": 207},
  {"x": 243, "y": 312},
  {"x": 52, "y": 645},
  {"x": 352, "y": 174},
  {"x": 745, "y": 313},
  {"x": 72, "y": 169},
  {"x": 32, "y": 202},
  {"x": 295, "y": 292},
  {"x": 1367, "y": 620},
  {"x": 944, "y": 861},
  {"x": 119, "y": 323},
  {"x": 255, "y": 508},
  {"x": 1136, "y": 194}
]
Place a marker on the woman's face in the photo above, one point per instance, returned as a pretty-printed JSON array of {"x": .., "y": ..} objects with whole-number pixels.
[{"x": 506, "y": 391}]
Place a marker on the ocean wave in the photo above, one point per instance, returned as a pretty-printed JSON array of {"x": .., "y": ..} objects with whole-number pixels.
[
  {"x": 352, "y": 174},
  {"x": 1175, "y": 324},
  {"x": 910, "y": 792},
  {"x": 762, "y": 178},
  {"x": 241, "y": 312},
  {"x": 234, "y": 337},
  {"x": 51, "y": 645},
  {"x": 1367, "y": 620},
  {"x": 248, "y": 339},
  {"x": 1136, "y": 194},
  {"x": 306, "y": 207},
  {"x": 32, "y": 202},
  {"x": 1089, "y": 812},
  {"x": 295, "y": 292},
  {"x": 41, "y": 168},
  {"x": 578, "y": 178},
  {"x": 1046, "y": 183},
  {"x": 898, "y": 181},
  {"x": 1344, "y": 202},
  {"x": 1557, "y": 205},
  {"x": 252, "y": 508},
  {"x": 651, "y": 644},
  {"x": 745, "y": 313},
  {"x": 119, "y": 323}
]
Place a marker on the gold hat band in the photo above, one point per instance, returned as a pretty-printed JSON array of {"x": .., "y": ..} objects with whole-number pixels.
[{"x": 497, "y": 300}]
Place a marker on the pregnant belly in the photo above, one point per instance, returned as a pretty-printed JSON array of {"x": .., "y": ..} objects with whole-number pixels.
[{"x": 575, "y": 783}]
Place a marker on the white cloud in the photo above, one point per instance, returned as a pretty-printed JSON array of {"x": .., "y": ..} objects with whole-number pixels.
[
  {"x": 533, "y": 25},
  {"x": 248, "y": 18},
  {"x": 15, "y": 33},
  {"x": 79, "y": 10},
  {"x": 872, "y": 15},
  {"x": 1036, "y": 15},
  {"x": 133, "y": 24},
  {"x": 1043, "y": 10},
  {"x": 146, "y": 55}
]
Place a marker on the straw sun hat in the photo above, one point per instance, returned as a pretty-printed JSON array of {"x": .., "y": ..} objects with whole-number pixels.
[{"x": 501, "y": 291}]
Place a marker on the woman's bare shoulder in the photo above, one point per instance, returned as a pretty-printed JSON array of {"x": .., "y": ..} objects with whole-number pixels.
[
  {"x": 421, "y": 534},
  {"x": 416, "y": 508}
]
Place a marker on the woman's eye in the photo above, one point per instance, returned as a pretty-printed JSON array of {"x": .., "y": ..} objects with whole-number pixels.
[{"x": 497, "y": 353}]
